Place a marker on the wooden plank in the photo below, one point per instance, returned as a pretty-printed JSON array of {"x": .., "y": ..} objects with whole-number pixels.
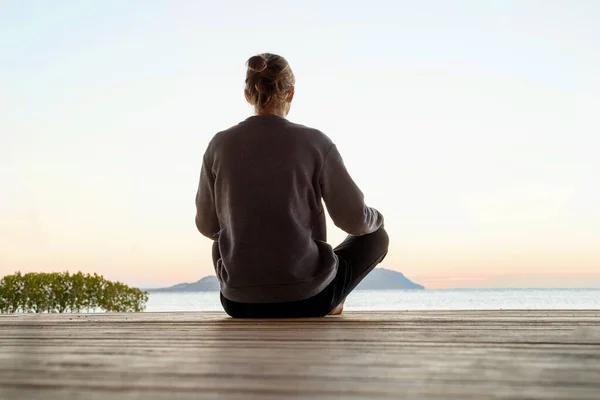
[{"x": 534, "y": 354}]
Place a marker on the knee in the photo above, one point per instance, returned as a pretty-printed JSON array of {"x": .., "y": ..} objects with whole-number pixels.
[
  {"x": 228, "y": 307},
  {"x": 382, "y": 239},
  {"x": 378, "y": 242}
]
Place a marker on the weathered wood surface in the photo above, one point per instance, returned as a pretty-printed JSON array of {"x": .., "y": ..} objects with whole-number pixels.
[{"x": 391, "y": 355}]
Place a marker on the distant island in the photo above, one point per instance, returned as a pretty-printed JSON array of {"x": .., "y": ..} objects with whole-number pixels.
[
  {"x": 378, "y": 279},
  {"x": 381, "y": 279}
]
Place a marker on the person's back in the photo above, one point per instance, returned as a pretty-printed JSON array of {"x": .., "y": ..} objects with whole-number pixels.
[
  {"x": 259, "y": 198},
  {"x": 268, "y": 188}
]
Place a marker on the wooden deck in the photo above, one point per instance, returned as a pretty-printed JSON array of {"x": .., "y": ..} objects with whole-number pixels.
[{"x": 379, "y": 355}]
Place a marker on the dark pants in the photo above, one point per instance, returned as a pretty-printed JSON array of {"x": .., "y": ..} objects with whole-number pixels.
[{"x": 357, "y": 256}]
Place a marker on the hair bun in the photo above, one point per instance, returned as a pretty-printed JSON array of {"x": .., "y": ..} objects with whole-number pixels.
[
  {"x": 257, "y": 63},
  {"x": 269, "y": 80}
]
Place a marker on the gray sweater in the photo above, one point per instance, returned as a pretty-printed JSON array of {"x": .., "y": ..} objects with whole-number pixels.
[{"x": 259, "y": 196}]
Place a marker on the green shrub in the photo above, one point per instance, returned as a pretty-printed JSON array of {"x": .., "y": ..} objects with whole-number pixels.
[{"x": 62, "y": 292}]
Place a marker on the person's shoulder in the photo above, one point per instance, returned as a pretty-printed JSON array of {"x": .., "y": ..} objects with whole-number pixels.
[
  {"x": 312, "y": 134},
  {"x": 221, "y": 136}
]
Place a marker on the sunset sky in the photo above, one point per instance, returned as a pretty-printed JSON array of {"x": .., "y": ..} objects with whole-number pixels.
[{"x": 473, "y": 126}]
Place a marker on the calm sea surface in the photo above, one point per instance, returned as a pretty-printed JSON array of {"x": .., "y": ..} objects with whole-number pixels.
[{"x": 448, "y": 299}]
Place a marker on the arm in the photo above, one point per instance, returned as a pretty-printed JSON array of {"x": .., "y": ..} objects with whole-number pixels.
[
  {"x": 344, "y": 200},
  {"x": 206, "y": 214}
]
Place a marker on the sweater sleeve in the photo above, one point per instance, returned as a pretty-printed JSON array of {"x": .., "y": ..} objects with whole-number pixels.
[
  {"x": 206, "y": 214},
  {"x": 344, "y": 200}
]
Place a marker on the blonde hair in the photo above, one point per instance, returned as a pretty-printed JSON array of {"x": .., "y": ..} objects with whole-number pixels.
[{"x": 269, "y": 79}]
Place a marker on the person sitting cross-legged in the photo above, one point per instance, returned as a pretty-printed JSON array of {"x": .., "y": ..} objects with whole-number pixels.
[{"x": 260, "y": 195}]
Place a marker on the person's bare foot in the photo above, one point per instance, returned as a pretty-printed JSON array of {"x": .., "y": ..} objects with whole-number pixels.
[{"x": 338, "y": 310}]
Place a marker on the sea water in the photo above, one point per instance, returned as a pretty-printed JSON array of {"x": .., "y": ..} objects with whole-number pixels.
[{"x": 441, "y": 299}]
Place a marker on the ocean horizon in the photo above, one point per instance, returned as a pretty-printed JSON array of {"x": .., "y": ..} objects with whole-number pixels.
[{"x": 410, "y": 299}]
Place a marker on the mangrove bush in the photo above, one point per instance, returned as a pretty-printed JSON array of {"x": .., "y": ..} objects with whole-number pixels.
[{"x": 62, "y": 292}]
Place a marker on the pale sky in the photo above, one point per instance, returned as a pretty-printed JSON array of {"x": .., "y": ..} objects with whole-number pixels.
[{"x": 473, "y": 126}]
